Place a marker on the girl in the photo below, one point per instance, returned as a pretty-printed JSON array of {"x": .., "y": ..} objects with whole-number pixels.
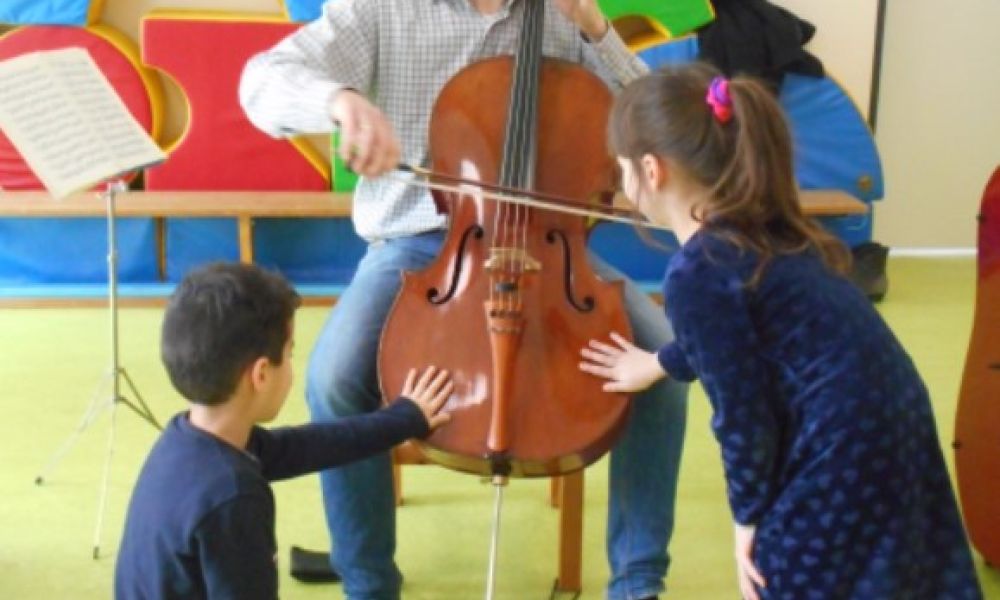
[{"x": 834, "y": 472}]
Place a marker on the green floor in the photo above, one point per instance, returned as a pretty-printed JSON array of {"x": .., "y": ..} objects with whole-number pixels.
[{"x": 53, "y": 360}]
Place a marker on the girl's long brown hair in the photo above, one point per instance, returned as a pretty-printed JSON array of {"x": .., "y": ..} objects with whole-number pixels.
[{"x": 745, "y": 163}]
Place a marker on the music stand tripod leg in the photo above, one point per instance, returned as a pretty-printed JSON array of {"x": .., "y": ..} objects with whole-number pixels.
[
  {"x": 117, "y": 371},
  {"x": 89, "y": 416},
  {"x": 139, "y": 407}
]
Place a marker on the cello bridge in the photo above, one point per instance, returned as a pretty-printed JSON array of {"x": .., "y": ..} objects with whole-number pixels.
[{"x": 511, "y": 259}]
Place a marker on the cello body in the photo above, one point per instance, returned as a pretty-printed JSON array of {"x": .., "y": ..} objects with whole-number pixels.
[
  {"x": 511, "y": 300},
  {"x": 977, "y": 422}
]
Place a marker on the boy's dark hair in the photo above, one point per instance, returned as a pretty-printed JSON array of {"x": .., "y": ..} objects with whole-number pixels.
[{"x": 220, "y": 319}]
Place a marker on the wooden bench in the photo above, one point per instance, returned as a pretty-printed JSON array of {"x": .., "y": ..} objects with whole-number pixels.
[
  {"x": 247, "y": 206},
  {"x": 242, "y": 206}
]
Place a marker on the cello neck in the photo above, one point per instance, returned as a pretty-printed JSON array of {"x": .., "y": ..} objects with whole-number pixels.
[{"x": 520, "y": 140}]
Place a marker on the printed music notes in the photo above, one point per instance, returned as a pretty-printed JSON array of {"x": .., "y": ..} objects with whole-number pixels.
[{"x": 67, "y": 121}]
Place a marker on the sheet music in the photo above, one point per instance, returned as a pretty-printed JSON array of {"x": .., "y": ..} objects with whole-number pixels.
[{"x": 68, "y": 123}]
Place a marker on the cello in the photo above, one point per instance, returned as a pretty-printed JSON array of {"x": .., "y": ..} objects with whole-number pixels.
[
  {"x": 977, "y": 420},
  {"x": 511, "y": 299}
]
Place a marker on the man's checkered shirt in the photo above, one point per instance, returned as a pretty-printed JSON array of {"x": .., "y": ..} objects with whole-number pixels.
[{"x": 400, "y": 53}]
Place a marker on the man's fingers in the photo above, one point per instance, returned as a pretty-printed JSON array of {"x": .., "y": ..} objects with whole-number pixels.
[
  {"x": 368, "y": 144},
  {"x": 348, "y": 140},
  {"x": 349, "y": 124},
  {"x": 361, "y": 140},
  {"x": 365, "y": 145},
  {"x": 393, "y": 157},
  {"x": 368, "y": 150},
  {"x": 389, "y": 155}
]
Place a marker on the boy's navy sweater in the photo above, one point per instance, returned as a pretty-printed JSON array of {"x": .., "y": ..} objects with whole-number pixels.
[{"x": 201, "y": 520}]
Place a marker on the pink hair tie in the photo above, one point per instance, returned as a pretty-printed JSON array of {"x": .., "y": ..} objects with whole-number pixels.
[{"x": 720, "y": 101}]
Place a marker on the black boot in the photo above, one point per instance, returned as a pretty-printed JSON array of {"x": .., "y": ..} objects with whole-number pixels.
[{"x": 868, "y": 269}]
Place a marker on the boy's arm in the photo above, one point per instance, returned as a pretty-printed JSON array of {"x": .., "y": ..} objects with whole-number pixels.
[
  {"x": 292, "y": 451},
  {"x": 287, "y": 90},
  {"x": 238, "y": 553}
]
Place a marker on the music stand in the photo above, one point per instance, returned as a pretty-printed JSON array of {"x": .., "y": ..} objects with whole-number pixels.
[
  {"x": 116, "y": 374},
  {"x": 61, "y": 95}
]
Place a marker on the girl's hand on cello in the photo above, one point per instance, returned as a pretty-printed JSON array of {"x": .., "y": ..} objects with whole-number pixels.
[
  {"x": 627, "y": 367},
  {"x": 429, "y": 392}
]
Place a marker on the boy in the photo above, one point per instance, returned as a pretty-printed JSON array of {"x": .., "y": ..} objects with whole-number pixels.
[{"x": 201, "y": 520}]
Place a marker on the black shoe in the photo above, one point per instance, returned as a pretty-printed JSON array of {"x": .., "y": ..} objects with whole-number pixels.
[
  {"x": 309, "y": 566},
  {"x": 868, "y": 269}
]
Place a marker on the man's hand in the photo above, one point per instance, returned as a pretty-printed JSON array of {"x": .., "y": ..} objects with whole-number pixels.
[
  {"x": 746, "y": 572},
  {"x": 368, "y": 145},
  {"x": 586, "y": 15},
  {"x": 430, "y": 393},
  {"x": 627, "y": 367}
]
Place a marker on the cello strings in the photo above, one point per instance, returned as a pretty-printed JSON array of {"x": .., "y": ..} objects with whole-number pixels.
[{"x": 534, "y": 58}]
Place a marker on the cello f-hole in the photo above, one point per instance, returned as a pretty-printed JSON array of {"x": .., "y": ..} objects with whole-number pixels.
[
  {"x": 588, "y": 303},
  {"x": 433, "y": 295}
]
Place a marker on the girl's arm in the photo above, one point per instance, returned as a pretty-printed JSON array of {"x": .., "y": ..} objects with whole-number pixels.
[{"x": 627, "y": 367}]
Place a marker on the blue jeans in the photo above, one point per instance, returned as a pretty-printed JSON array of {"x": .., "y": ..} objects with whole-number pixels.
[{"x": 358, "y": 498}]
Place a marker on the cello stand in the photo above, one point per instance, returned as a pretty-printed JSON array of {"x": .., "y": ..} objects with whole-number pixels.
[
  {"x": 499, "y": 481},
  {"x": 115, "y": 374}
]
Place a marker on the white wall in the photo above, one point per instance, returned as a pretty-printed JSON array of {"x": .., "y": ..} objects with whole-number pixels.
[
  {"x": 844, "y": 41},
  {"x": 939, "y": 119}
]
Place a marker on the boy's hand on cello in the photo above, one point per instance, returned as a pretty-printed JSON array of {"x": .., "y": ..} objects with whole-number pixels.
[
  {"x": 627, "y": 367},
  {"x": 430, "y": 392}
]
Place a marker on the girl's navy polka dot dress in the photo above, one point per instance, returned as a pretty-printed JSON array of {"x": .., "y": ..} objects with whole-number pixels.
[{"x": 826, "y": 430}]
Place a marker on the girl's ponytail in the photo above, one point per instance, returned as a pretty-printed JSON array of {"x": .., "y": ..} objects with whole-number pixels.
[
  {"x": 731, "y": 137},
  {"x": 758, "y": 191}
]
